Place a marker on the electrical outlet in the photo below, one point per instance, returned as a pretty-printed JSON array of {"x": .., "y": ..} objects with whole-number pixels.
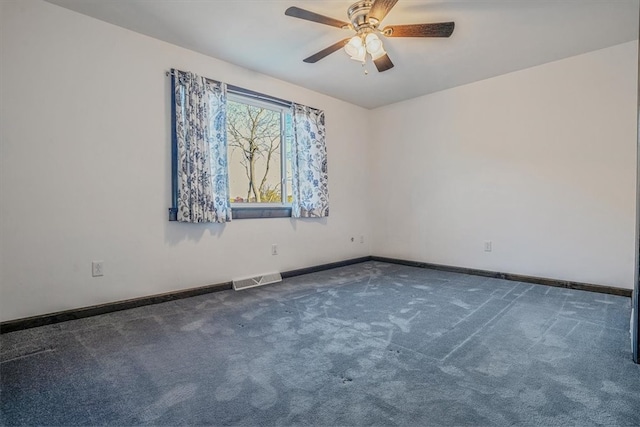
[
  {"x": 97, "y": 268},
  {"x": 274, "y": 249},
  {"x": 487, "y": 246},
  {"x": 361, "y": 239}
]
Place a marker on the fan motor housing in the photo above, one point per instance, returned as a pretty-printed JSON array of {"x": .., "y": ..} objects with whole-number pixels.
[{"x": 358, "y": 12}]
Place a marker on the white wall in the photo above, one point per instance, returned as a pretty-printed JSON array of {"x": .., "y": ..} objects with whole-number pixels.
[
  {"x": 85, "y": 171},
  {"x": 541, "y": 162}
]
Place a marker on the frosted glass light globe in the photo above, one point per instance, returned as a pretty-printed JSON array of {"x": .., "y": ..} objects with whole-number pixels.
[
  {"x": 354, "y": 45},
  {"x": 360, "y": 54},
  {"x": 373, "y": 42}
]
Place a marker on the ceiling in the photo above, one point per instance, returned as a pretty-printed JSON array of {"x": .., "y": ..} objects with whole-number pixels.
[{"x": 490, "y": 38}]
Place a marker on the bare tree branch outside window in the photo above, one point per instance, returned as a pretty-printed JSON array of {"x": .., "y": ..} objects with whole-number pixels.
[{"x": 253, "y": 135}]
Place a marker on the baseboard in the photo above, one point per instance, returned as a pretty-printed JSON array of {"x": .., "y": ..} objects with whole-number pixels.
[
  {"x": 611, "y": 290},
  {"x": 322, "y": 267},
  {"x": 94, "y": 310},
  {"x": 79, "y": 313}
]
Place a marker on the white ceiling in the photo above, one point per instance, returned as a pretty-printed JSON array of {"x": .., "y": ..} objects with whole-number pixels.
[{"x": 490, "y": 38}]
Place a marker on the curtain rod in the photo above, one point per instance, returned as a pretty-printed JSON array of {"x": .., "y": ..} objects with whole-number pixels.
[{"x": 246, "y": 92}]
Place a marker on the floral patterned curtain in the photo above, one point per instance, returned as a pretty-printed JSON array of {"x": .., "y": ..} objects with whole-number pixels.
[
  {"x": 201, "y": 137},
  {"x": 309, "y": 164}
]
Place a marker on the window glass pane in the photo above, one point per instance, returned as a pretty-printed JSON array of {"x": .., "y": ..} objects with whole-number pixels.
[{"x": 253, "y": 135}]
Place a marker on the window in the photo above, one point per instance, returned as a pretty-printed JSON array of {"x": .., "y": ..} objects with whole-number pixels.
[
  {"x": 259, "y": 138},
  {"x": 239, "y": 154}
]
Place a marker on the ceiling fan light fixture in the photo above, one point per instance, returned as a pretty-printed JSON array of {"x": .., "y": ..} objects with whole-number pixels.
[
  {"x": 378, "y": 54},
  {"x": 354, "y": 46},
  {"x": 360, "y": 55},
  {"x": 373, "y": 43}
]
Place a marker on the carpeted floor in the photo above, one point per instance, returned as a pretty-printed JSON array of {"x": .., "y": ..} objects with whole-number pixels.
[{"x": 372, "y": 343}]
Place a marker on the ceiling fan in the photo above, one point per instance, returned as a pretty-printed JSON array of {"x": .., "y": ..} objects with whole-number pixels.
[{"x": 364, "y": 18}]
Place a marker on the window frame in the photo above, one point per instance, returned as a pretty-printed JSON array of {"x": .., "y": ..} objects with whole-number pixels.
[
  {"x": 247, "y": 210},
  {"x": 283, "y": 111}
]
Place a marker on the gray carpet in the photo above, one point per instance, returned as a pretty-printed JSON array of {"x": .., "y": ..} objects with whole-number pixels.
[{"x": 368, "y": 344}]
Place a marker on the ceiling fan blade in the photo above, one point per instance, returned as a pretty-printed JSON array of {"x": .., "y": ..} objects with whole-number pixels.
[
  {"x": 380, "y": 8},
  {"x": 326, "y": 52},
  {"x": 441, "y": 29},
  {"x": 296, "y": 12},
  {"x": 383, "y": 63}
]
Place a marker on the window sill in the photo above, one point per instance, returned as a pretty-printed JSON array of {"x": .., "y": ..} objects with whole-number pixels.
[
  {"x": 248, "y": 213},
  {"x": 261, "y": 212}
]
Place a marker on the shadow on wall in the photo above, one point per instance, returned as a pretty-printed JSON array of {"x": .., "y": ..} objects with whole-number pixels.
[
  {"x": 176, "y": 232},
  {"x": 320, "y": 221}
]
